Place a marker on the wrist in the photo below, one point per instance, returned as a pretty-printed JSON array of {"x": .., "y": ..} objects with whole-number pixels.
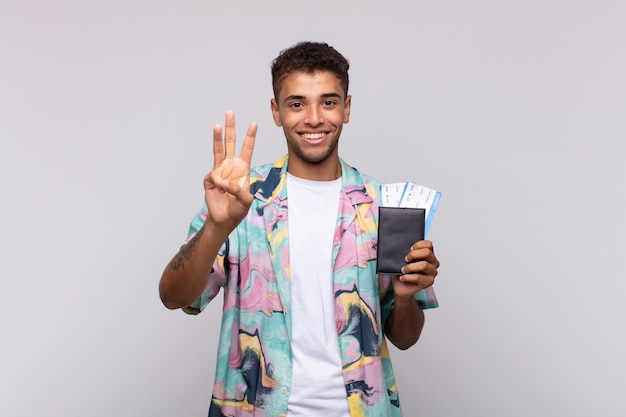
[
  {"x": 221, "y": 229},
  {"x": 403, "y": 301}
]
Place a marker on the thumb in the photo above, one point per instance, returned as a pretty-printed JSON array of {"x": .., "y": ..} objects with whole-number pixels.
[{"x": 242, "y": 194}]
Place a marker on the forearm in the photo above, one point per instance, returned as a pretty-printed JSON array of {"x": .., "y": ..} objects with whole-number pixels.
[
  {"x": 186, "y": 275},
  {"x": 404, "y": 325}
]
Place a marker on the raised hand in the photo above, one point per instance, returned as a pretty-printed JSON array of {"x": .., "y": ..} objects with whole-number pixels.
[{"x": 227, "y": 186}]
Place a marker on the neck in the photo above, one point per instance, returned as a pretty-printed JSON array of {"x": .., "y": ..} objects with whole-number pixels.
[{"x": 327, "y": 170}]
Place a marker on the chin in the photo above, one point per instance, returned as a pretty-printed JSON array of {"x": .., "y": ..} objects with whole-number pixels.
[{"x": 314, "y": 157}]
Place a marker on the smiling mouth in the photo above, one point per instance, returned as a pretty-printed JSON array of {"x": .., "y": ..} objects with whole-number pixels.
[{"x": 313, "y": 138}]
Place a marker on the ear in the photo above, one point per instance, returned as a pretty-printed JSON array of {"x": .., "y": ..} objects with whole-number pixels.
[
  {"x": 275, "y": 112},
  {"x": 346, "y": 110}
]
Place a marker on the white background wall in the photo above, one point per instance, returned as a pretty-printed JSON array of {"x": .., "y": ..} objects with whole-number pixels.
[{"x": 515, "y": 110}]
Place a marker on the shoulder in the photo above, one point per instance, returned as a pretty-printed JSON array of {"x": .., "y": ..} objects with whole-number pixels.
[
  {"x": 267, "y": 179},
  {"x": 267, "y": 171},
  {"x": 260, "y": 173},
  {"x": 355, "y": 175},
  {"x": 357, "y": 180}
]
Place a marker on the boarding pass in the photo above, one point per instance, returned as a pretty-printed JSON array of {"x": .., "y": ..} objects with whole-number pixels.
[{"x": 412, "y": 195}]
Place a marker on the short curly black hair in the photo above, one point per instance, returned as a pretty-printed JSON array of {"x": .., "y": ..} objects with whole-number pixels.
[{"x": 309, "y": 57}]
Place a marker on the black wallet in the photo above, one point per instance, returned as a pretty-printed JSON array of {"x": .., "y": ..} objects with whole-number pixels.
[{"x": 398, "y": 229}]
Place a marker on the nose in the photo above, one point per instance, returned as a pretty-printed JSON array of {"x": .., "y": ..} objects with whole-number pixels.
[{"x": 313, "y": 116}]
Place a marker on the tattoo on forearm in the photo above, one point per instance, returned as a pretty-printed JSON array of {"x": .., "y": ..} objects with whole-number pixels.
[{"x": 184, "y": 254}]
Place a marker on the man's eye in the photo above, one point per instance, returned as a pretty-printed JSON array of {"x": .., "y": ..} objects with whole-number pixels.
[
  {"x": 296, "y": 105},
  {"x": 329, "y": 103}
]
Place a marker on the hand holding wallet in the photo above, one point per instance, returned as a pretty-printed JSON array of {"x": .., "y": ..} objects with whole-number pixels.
[{"x": 398, "y": 229}]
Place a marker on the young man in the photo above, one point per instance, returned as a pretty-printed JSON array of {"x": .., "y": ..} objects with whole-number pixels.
[{"x": 293, "y": 246}]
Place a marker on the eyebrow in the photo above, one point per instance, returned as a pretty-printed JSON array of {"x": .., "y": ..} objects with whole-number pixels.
[{"x": 298, "y": 97}]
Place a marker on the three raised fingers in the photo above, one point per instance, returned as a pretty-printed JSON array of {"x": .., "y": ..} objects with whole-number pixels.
[{"x": 225, "y": 148}]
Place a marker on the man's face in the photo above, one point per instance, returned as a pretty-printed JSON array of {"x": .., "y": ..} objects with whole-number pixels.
[{"x": 311, "y": 109}]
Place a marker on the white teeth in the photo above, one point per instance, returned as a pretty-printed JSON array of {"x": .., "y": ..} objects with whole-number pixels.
[{"x": 312, "y": 135}]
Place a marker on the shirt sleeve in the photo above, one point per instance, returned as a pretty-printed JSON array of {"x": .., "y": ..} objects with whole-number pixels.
[{"x": 426, "y": 298}]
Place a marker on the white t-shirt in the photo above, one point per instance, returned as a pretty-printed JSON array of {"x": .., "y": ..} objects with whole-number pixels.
[{"x": 317, "y": 387}]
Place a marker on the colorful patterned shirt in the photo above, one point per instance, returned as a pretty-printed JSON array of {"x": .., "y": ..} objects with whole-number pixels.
[{"x": 253, "y": 373}]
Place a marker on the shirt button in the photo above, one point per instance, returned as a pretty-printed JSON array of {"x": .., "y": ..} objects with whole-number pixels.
[{"x": 283, "y": 390}]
